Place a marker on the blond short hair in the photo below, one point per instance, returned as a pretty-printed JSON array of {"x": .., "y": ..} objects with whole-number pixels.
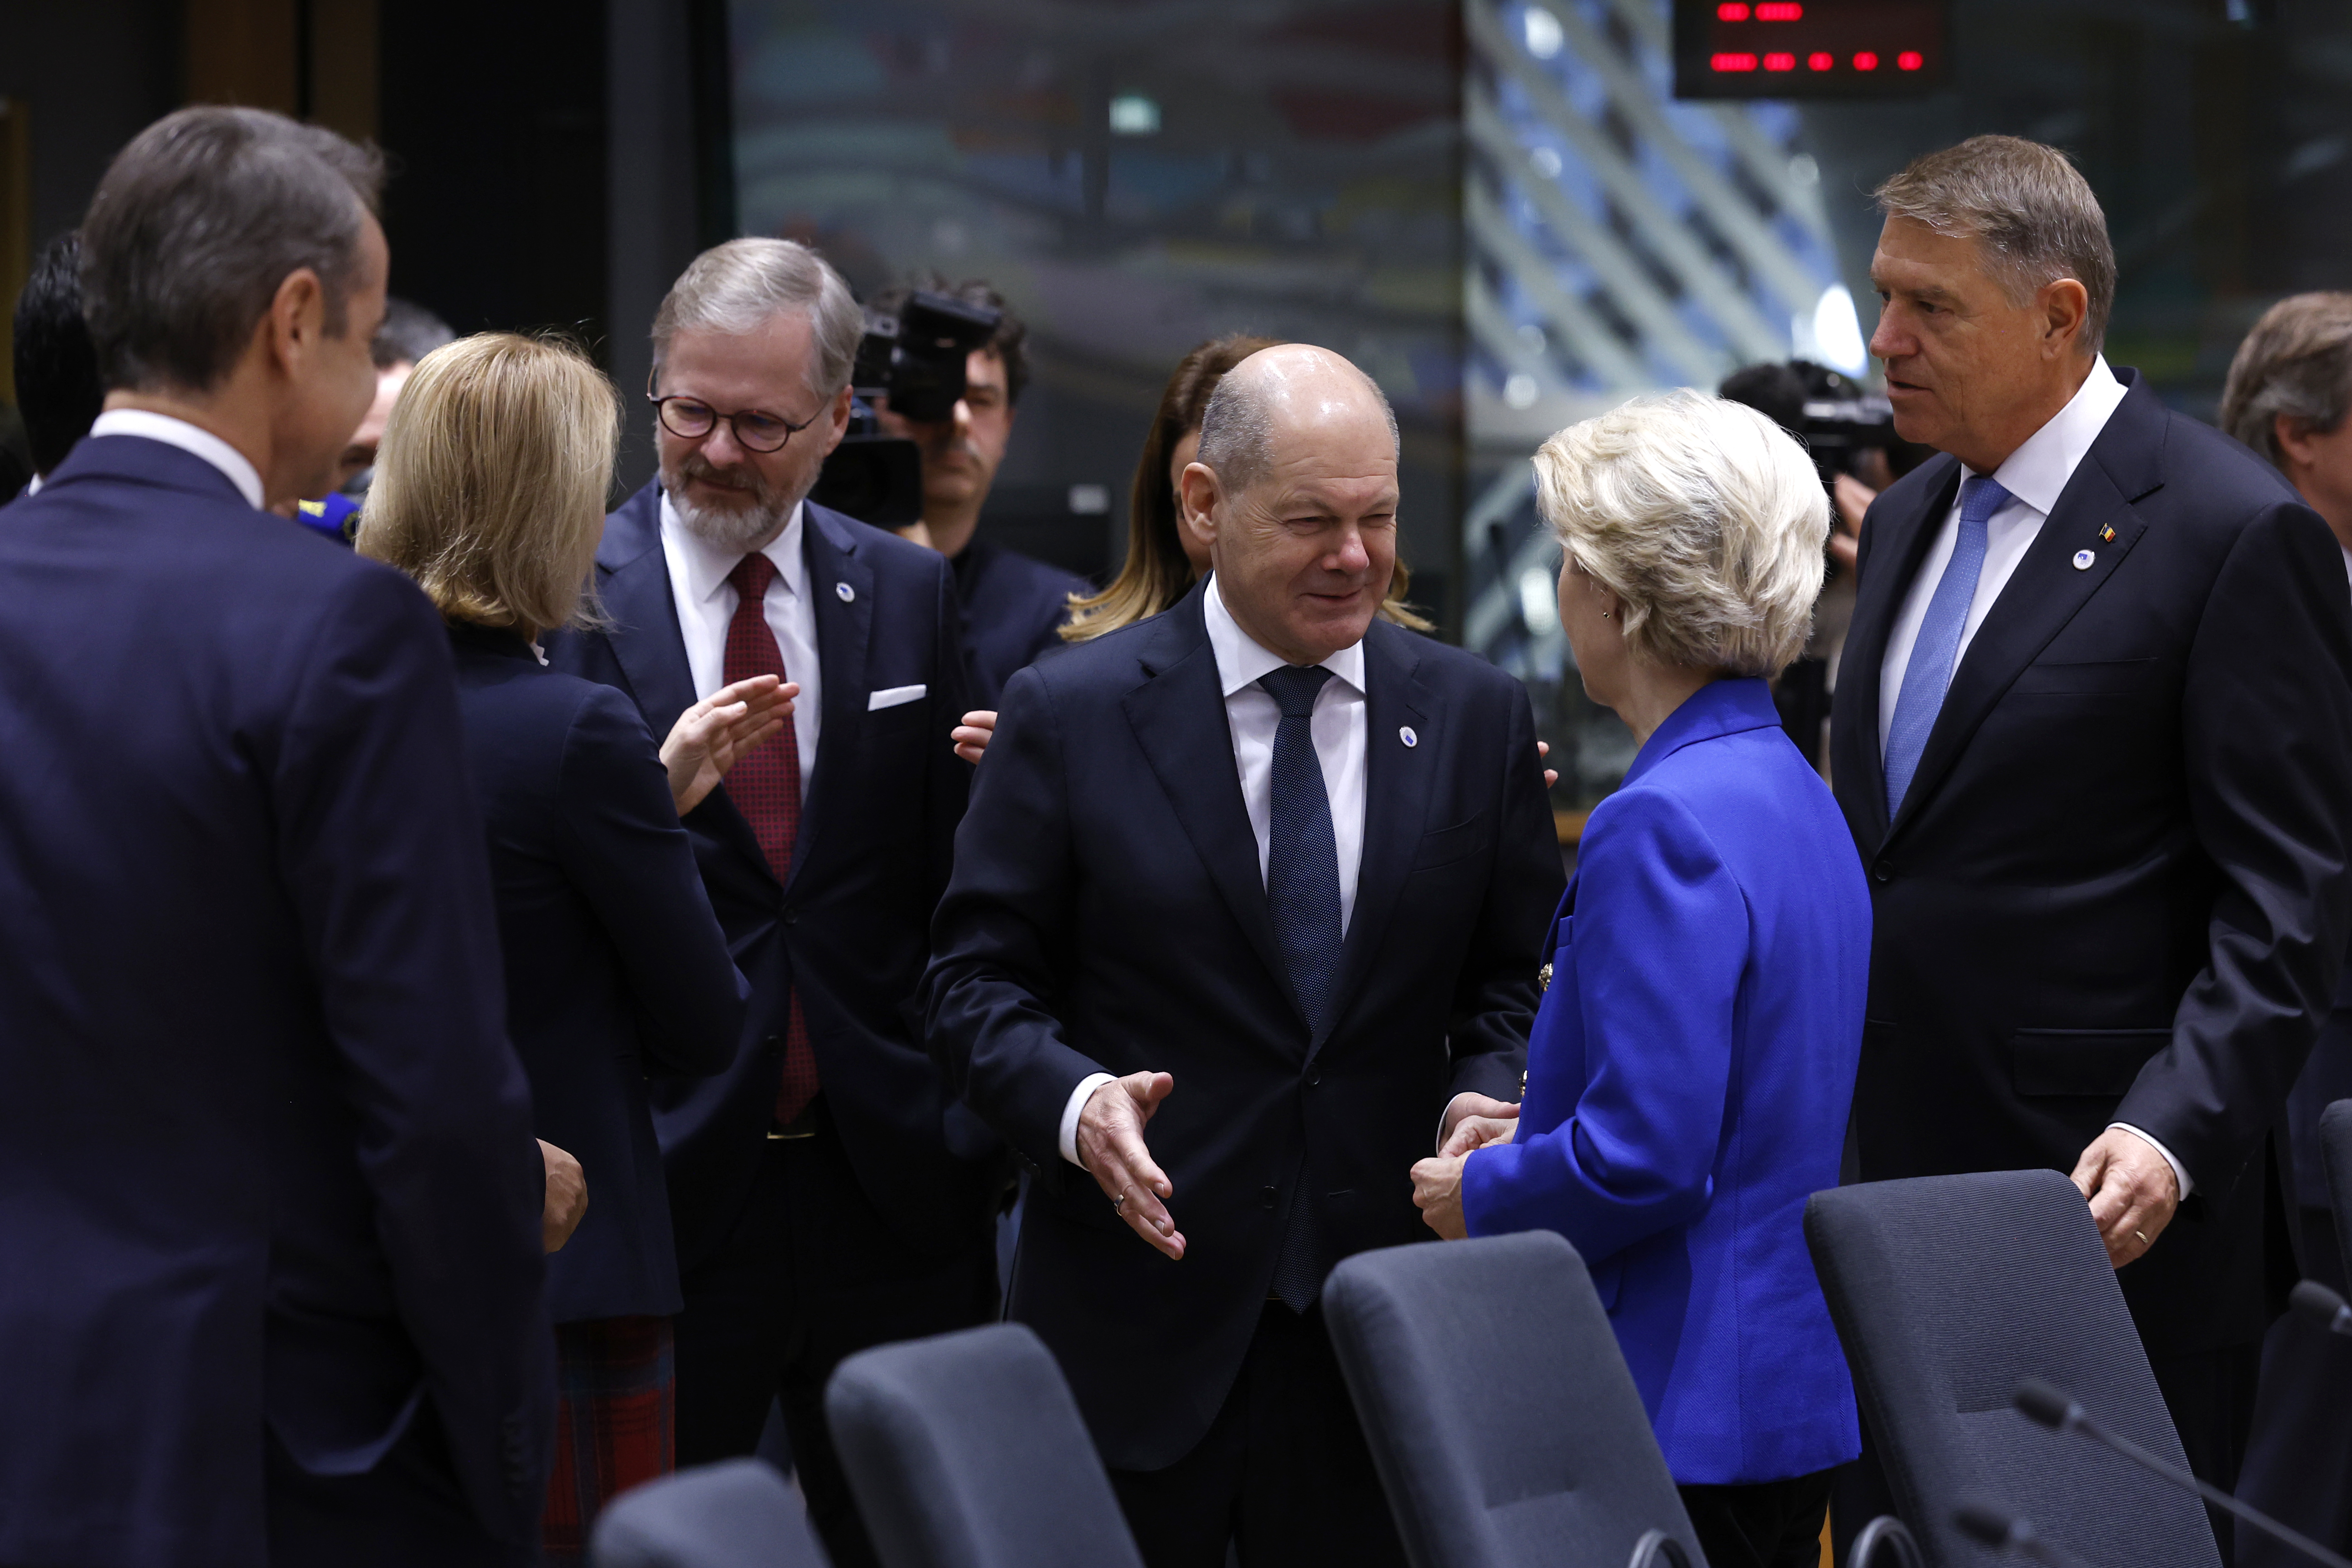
[
  {"x": 2027, "y": 206},
  {"x": 490, "y": 485},
  {"x": 736, "y": 287},
  {"x": 1704, "y": 518}
]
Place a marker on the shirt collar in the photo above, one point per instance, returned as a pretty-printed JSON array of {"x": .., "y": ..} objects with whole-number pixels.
[
  {"x": 1241, "y": 660},
  {"x": 2037, "y": 472},
  {"x": 179, "y": 432},
  {"x": 33, "y": 486},
  {"x": 707, "y": 564}
]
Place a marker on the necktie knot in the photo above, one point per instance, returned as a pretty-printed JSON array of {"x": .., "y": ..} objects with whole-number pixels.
[
  {"x": 751, "y": 577},
  {"x": 1980, "y": 497},
  {"x": 1293, "y": 686}
]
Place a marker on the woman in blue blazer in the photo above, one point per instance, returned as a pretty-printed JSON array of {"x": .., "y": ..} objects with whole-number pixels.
[
  {"x": 489, "y": 490},
  {"x": 1694, "y": 1054}
]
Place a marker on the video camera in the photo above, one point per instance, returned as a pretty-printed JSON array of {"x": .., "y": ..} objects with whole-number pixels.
[
  {"x": 1828, "y": 411},
  {"x": 915, "y": 359}
]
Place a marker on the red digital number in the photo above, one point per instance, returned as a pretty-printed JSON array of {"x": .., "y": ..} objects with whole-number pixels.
[
  {"x": 1779, "y": 63},
  {"x": 1733, "y": 62},
  {"x": 1909, "y": 60},
  {"x": 1821, "y": 61},
  {"x": 1865, "y": 61},
  {"x": 1731, "y": 11},
  {"x": 1779, "y": 11}
]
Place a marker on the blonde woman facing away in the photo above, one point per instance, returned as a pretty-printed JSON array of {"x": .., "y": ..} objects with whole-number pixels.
[
  {"x": 1694, "y": 1054},
  {"x": 489, "y": 490}
]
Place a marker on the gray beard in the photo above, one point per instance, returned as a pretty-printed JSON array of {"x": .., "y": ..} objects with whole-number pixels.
[{"x": 741, "y": 529}]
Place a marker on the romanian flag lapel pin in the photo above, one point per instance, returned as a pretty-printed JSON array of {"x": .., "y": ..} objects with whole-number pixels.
[{"x": 2107, "y": 533}]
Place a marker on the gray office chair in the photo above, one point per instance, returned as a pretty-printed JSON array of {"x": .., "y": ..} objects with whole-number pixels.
[
  {"x": 1503, "y": 1423},
  {"x": 967, "y": 1451},
  {"x": 1946, "y": 1292},
  {"x": 738, "y": 1514},
  {"x": 2336, "y": 1149}
]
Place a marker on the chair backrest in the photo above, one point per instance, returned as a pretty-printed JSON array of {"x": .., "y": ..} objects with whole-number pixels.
[
  {"x": 1946, "y": 1292},
  {"x": 967, "y": 1451},
  {"x": 2336, "y": 1149},
  {"x": 738, "y": 1514},
  {"x": 1502, "y": 1419}
]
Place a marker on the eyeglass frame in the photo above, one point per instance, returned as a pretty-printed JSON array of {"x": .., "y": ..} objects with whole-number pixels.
[{"x": 661, "y": 418}]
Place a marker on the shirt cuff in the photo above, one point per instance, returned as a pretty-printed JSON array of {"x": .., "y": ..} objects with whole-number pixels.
[
  {"x": 1079, "y": 1097},
  {"x": 2179, "y": 1172},
  {"x": 1450, "y": 1104}
]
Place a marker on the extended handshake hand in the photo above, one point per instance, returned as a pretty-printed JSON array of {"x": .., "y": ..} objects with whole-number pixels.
[
  {"x": 1111, "y": 1146},
  {"x": 709, "y": 736}
]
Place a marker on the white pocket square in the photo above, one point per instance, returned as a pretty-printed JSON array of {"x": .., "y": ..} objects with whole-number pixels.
[{"x": 891, "y": 697}]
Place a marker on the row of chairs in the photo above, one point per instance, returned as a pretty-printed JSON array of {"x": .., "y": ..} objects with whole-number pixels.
[{"x": 967, "y": 1451}]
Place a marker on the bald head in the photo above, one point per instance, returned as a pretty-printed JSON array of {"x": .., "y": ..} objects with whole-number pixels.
[
  {"x": 1281, "y": 393},
  {"x": 1295, "y": 496}
]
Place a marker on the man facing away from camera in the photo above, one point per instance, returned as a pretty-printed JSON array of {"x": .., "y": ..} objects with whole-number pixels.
[
  {"x": 1245, "y": 914},
  {"x": 2095, "y": 743},
  {"x": 268, "y": 1193}
]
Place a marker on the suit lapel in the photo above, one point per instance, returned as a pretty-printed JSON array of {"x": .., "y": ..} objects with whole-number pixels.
[
  {"x": 832, "y": 562},
  {"x": 2046, "y": 590},
  {"x": 1179, "y": 717},
  {"x": 1397, "y": 794},
  {"x": 1896, "y": 555}
]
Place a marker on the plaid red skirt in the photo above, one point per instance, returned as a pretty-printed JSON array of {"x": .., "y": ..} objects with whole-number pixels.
[{"x": 616, "y": 1422}]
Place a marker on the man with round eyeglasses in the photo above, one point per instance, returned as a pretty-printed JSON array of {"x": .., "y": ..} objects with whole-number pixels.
[{"x": 825, "y": 1193}]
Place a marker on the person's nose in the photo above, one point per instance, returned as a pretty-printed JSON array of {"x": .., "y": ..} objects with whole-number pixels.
[
  {"x": 1887, "y": 340},
  {"x": 719, "y": 448},
  {"x": 1351, "y": 556},
  {"x": 962, "y": 419}
]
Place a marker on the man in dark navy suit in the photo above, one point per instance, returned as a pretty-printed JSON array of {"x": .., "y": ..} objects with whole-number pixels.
[
  {"x": 1012, "y": 606},
  {"x": 826, "y": 1193},
  {"x": 1271, "y": 876},
  {"x": 272, "y": 1205},
  {"x": 2095, "y": 743}
]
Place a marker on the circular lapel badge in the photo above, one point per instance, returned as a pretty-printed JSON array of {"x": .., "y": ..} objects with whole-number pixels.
[
  {"x": 2082, "y": 559},
  {"x": 846, "y": 590},
  {"x": 1408, "y": 737}
]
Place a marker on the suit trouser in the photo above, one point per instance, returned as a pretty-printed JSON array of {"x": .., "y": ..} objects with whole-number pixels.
[
  {"x": 810, "y": 1274},
  {"x": 1761, "y": 1525},
  {"x": 1283, "y": 1473},
  {"x": 2299, "y": 1465},
  {"x": 408, "y": 1509}
]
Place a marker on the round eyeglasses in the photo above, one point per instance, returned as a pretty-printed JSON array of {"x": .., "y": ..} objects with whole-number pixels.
[{"x": 690, "y": 419}]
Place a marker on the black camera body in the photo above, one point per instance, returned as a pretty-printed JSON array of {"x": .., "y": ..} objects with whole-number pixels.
[{"x": 915, "y": 359}]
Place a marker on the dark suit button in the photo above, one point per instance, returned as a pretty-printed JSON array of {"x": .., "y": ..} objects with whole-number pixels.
[
  {"x": 773, "y": 1043},
  {"x": 1265, "y": 1196},
  {"x": 1313, "y": 1076},
  {"x": 1883, "y": 873},
  {"x": 791, "y": 917}
]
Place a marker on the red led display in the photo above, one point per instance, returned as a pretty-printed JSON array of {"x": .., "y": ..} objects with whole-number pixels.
[{"x": 1809, "y": 49}]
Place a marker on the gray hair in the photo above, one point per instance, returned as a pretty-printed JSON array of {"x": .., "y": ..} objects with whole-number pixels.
[
  {"x": 1702, "y": 517},
  {"x": 2297, "y": 361},
  {"x": 1237, "y": 426},
  {"x": 2027, "y": 205},
  {"x": 738, "y": 286},
  {"x": 197, "y": 224}
]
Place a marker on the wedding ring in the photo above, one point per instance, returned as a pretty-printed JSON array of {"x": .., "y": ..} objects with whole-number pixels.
[
  {"x": 2143, "y": 1239},
  {"x": 1119, "y": 1204}
]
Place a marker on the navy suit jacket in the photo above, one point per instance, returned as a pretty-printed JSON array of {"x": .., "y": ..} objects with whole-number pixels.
[
  {"x": 850, "y": 924},
  {"x": 266, "y": 1156},
  {"x": 615, "y": 964},
  {"x": 2118, "y": 889},
  {"x": 1013, "y": 609},
  {"x": 1687, "y": 1087},
  {"x": 1107, "y": 914}
]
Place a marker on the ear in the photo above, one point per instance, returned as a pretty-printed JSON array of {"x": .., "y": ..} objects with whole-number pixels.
[
  {"x": 2293, "y": 438},
  {"x": 1197, "y": 498},
  {"x": 296, "y": 323},
  {"x": 2065, "y": 307},
  {"x": 837, "y": 424}
]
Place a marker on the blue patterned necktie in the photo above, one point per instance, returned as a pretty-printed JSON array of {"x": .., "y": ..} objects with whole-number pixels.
[
  {"x": 1302, "y": 894},
  {"x": 1937, "y": 647}
]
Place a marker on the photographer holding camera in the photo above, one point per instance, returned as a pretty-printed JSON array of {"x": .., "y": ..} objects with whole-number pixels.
[{"x": 1012, "y": 604}]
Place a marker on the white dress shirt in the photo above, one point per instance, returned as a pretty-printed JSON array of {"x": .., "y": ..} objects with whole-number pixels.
[
  {"x": 2034, "y": 475},
  {"x": 188, "y": 438},
  {"x": 706, "y": 604},
  {"x": 1339, "y": 727}
]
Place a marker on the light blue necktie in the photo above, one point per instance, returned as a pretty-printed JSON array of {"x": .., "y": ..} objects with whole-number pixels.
[{"x": 1937, "y": 647}]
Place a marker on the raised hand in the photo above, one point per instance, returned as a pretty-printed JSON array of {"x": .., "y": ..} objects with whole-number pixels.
[
  {"x": 971, "y": 736},
  {"x": 1112, "y": 1147},
  {"x": 727, "y": 724}
]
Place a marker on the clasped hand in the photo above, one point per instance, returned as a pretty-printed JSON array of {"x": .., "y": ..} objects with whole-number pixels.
[
  {"x": 1111, "y": 1146},
  {"x": 710, "y": 737},
  {"x": 1476, "y": 1121}
]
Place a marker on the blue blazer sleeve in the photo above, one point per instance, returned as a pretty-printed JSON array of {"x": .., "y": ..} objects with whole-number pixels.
[
  {"x": 630, "y": 859},
  {"x": 1659, "y": 941},
  {"x": 387, "y": 866}
]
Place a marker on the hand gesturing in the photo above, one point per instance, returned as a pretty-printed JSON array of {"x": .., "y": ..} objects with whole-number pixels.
[
  {"x": 727, "y": 724},
  {"x": 1110, "y": 1146}
]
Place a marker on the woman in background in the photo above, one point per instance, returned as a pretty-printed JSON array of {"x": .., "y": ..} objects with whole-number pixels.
[
  {"x": 489, "y": 490},
  {"x": 1693, "y": 1054},
  {"x": 1163, "y": 560}
]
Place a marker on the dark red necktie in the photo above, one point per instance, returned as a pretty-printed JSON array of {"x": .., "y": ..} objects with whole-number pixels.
[{"x": 765, "y": 785}]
